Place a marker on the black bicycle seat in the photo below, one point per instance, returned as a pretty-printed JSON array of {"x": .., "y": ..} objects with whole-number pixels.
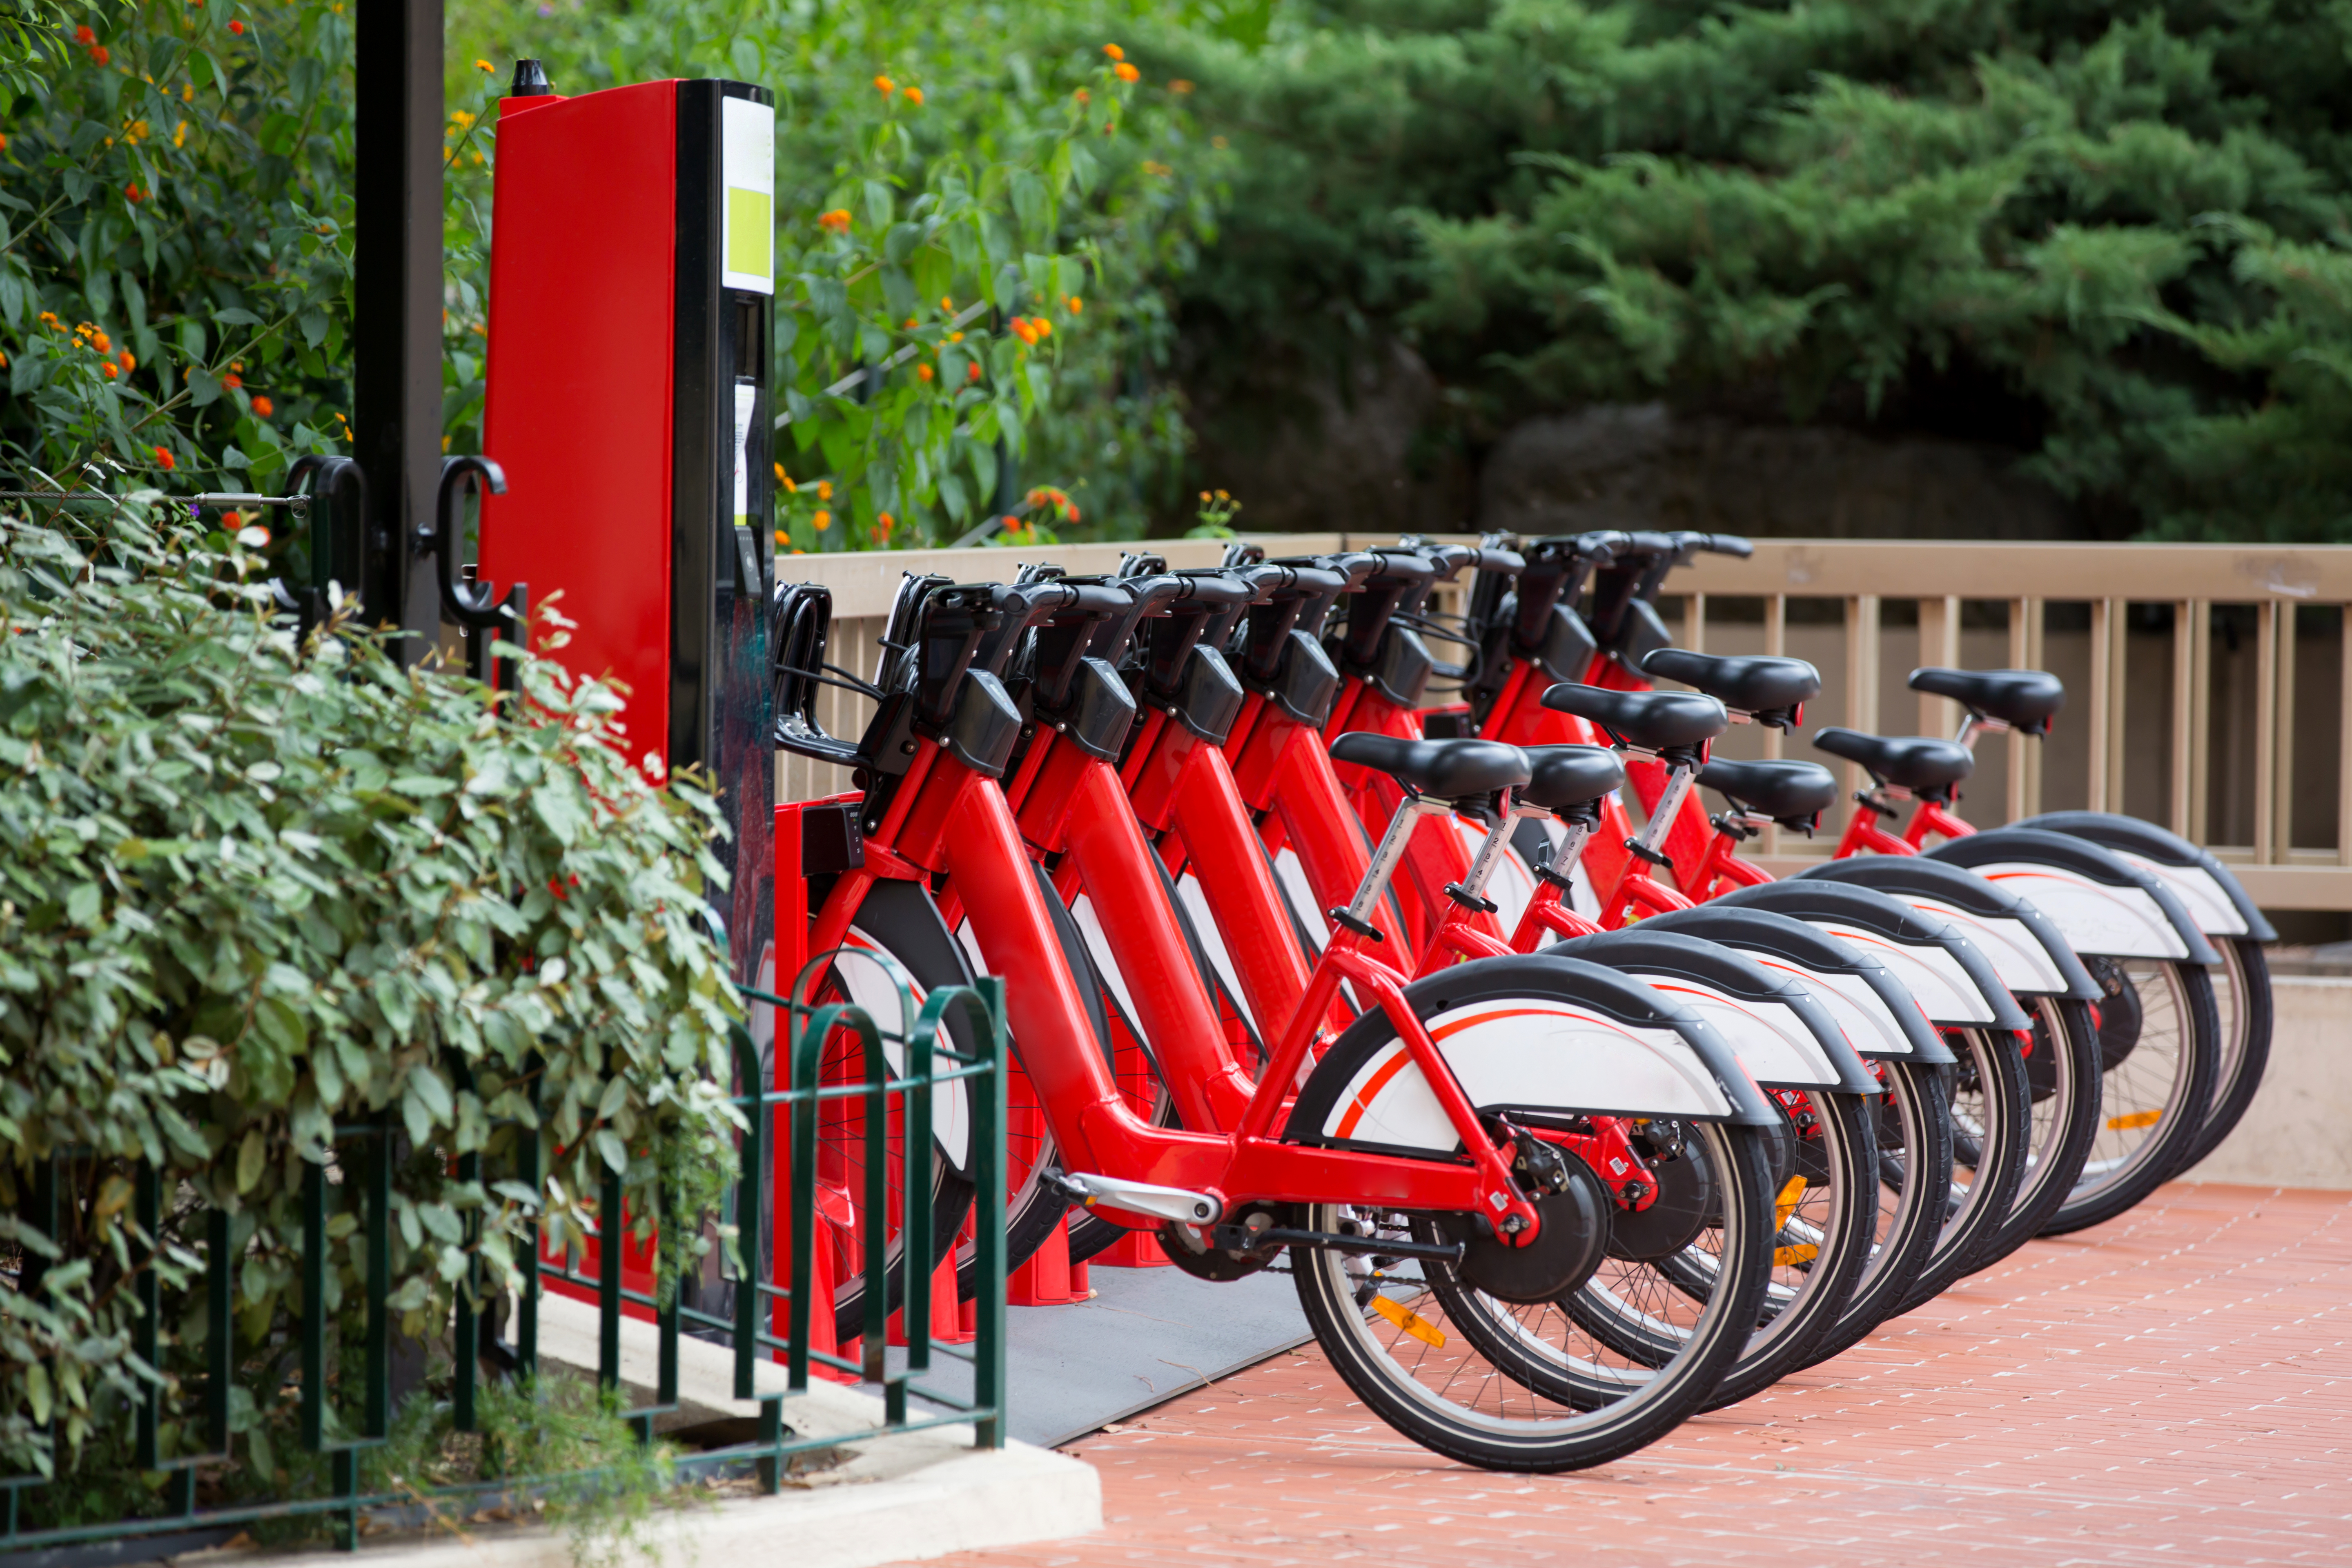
[
  {"x": 1450, "y": 769},
  {"x": 1565, "y": 777},
  {"x": 1793, "y": 794},
  {"x": 2021, "y": 699},
  {"x": 1915, "y": 762},
  {"x": 1766, "y": 689},
  {"x": 1652, "y": 721}
]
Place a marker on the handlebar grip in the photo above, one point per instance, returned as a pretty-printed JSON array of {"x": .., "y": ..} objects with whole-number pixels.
[
  {"x": 1508, "y": 562},
  {"x": 1728, "y": 544}
]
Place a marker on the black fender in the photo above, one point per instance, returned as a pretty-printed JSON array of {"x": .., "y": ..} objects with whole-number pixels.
[
  {"x": 2027, "y": 948},
  {"x": 1740, "y": 994},
  {"x": 2173, "y": 861},
  {"x": 1949, "y": 976},
  {"x": 2103, "y": 903},
  {"x": 1838, "y": 965}
]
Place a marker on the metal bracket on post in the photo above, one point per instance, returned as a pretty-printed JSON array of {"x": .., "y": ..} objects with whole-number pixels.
[{"x": 474, "y": 605}]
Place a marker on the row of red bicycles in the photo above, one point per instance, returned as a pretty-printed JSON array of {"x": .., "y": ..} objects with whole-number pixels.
[{"x": 1567, "y": 1120}]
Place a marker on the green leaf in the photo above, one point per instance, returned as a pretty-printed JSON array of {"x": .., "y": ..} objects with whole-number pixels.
[{"x": 252, "y": 1154}]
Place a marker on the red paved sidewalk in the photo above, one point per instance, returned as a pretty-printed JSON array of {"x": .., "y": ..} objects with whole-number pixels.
[{"x": 2171, "y": 1387}]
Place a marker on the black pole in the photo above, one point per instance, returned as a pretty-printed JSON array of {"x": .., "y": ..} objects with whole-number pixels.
[{"x": 396, "y": 325}]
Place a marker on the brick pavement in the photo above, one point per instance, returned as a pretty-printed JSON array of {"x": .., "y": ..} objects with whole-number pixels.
[{"x": 2171, "y": 1387}]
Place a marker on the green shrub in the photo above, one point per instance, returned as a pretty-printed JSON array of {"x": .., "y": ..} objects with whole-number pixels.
[
  {"x": 180, "y": 193},
  {"x": 259, "y": 887},
  {"x": 2116, "y": 235}
]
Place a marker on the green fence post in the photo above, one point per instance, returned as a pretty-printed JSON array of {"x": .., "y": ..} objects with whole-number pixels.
[
  {"x": 750, "y": 1266},
  {"x": 876, "y": 1099},
  {"x": 314, "y": 1306},
  {"x": 988, "y": 1116},
  {"x": 147, "y": 1292},
  {"x": 611, "y": 1235}
]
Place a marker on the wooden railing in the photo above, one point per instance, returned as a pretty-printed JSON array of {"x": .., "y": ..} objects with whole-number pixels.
[{"x": 2207, "y": 684}]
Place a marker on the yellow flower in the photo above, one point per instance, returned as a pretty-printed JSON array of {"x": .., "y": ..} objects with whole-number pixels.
[
  {"x": 955, "y": 337},
  {"x": 180, "y": 134},
  {"x": 947, "y": 306},
  {"x": 486, "y": 67}
]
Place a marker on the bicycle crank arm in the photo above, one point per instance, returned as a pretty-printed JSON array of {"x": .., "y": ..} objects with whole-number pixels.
[{"x": 1179, "y": 1204}]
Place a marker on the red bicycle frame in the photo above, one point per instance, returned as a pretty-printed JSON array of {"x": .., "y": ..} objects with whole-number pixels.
[{"x": 947, "y": 818}]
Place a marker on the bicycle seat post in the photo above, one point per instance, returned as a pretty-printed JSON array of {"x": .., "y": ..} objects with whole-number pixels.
[{"x": 1358, "y": 916}]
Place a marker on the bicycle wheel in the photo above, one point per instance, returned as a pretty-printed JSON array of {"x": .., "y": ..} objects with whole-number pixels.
[
  {"x": 1825, "y": 1212},
  {"x": 2159, "y": 1049},
  {"x": 1517, "y": 1384},
  {"x": 2065, "y": 1087},
  {"x": 1990, "y": 1111},
  {"x": 2241, "y": 996},
  {"x": 1913, "y": 1143},
  {"x": 898, "y": 918}
]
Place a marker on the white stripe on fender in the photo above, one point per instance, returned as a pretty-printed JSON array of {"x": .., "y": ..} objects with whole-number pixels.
[
  {"x": 2016, "y": 953},
  {"x": 1527, "y": 1053},
  {"x": 1870, "y": 1026},
  {"x": 2123, "y": 922},
  {"x": 1929, "y": 973},
  {"x": 2198, "y": 890}
]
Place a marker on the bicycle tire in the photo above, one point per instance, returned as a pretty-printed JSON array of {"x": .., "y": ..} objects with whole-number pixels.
[
  {"x": 1914, "y": 1139},
  {"x": 2063, "y": 1085},
  {"x": 899, "y": 919},
  {"x": 1579, "y": 1409},
  {"x": 1989, "y": 1115},
  {"x": 2243, "y": 997},
  {"x": 2163, "y": 1078}
]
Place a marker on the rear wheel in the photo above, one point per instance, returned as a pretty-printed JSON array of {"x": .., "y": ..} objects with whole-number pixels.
[
  {"x": 1989, "y": 1106},
  {"x": 1913, "y": 1153},
  {"x": 2064, "y": 1084},
  {"x": 2241, "y": 996},
  {"x": 1825, "y": 1209},
  {"x": 2160, "y": 1047},
  {"x": 896, "y": 919},
  {"x": 1436, "y": 1349}
]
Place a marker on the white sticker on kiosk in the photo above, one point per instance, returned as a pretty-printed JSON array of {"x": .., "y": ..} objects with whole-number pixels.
[
  {"x": 746, "y": 162},
  {"x": 747, "y": 398}
]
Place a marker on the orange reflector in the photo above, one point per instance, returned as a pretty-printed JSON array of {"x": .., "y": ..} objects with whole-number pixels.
[
  {"x": 1792, "y": 1193},
  {"x": 1789, "y": 1257},
  {"x": 2136, "y": 1119},
  {"x": 1412, "y": 1322}
]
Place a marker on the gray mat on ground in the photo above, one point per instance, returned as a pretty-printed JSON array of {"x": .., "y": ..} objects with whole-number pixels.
[{"x": 1149, "y": 1335}]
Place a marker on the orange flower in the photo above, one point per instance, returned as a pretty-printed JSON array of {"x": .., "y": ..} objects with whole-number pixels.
[
  {"x": 130, "y": 362},
  {"x": 784, "y": 479},
  {"x": 885, "y": 86},
  {"x": 883, "y": 521},
  {"x": 836, "y": 220},
  {"x": 1022, "y": 330},
  {"x": 824, "y": 489},
  {"x": 263, "y": 407},
  {"x": 133, "y": 192},
  {"x": 112, "y": 370},
  {"x": 972, "y": 371},
  {"x": 85, "y": 37},
  {"x": 821, "y": 521},
  {"x": 1076, "y": 304},
  {"x": 163, "y": 459},
  {"x": 237, "y": 29},
  {"x": 923, "y": 372},
  {"x": 231, "y": 380},
  {"x": 782, "y": 539},
  {"x": 915, "y": 96},
  {"x": 4, "y": 142},
  {"x": 1180, "y": 86},
  {"x": 99, "y": 56},
  {"x": 101, "y": 342},
  {"x": 1083, "y": 96},
  {"x": 1042, "y": 327},
  {"x": 1126, "y": 72},
  {"x": 1114, "y": 51},
  {"x": 947, "y": 306}
]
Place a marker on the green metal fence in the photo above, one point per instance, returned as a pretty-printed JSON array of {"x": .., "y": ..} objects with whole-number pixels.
[{"x": 365, "y": 1156}]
